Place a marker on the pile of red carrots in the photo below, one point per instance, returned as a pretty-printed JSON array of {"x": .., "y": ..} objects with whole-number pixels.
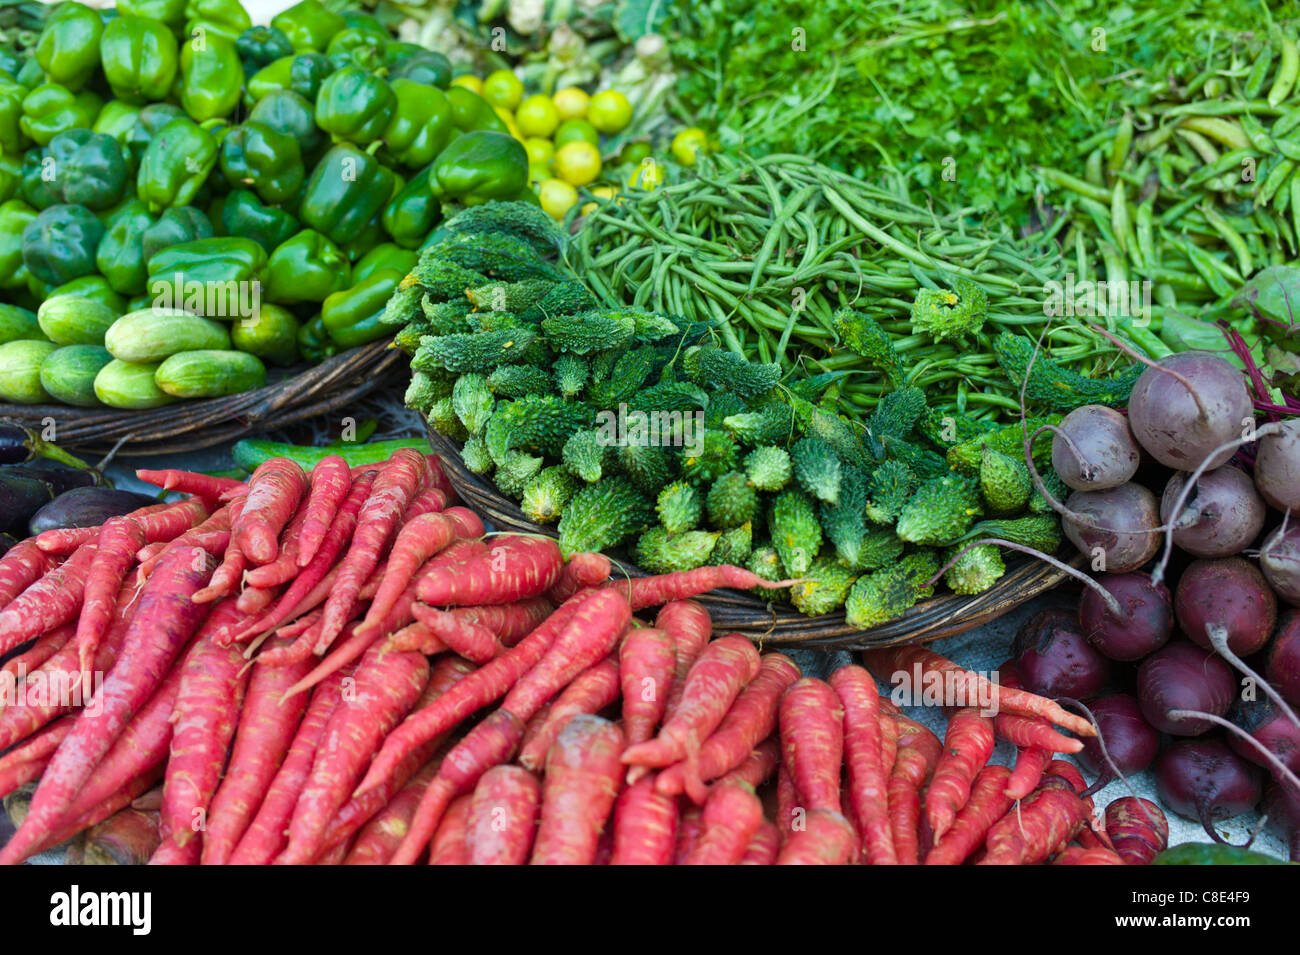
[{"x": 342, "y": 667}]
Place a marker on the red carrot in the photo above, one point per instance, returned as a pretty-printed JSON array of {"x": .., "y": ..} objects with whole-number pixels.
[
  {"x": 583, "y": 569},
  {"x": 689, "y": 828},
  {"x": 163, "y": 623},
  {"x": 712, "y": 685},
  {"x": 253, "y": 601},
  {"x": 516, "y": 567},
  {"x": 229, "y": 573},
  {"x": 213, "y": 681},
  {"x": 967, "y": 746},
  {"x": 918, "y": 753},
  {"x": 825, "y": 839},
  {"x": 647, "y": 659},
  {"x": 24, "y": 764},
  {"x": 429, "y": 501},
  {"x": 116, "y": 545},
  {"x": 400, "y": 480},
  {"x": 812, "y": 742},
  {"x": 906, "y": 658},
  {"x": 867, "y": 777},
  {"x": 285, "y": 566},
  {"x": 729, "y": 820},
  {"x": 451, "y": 843},
  {"x": 757, "y": 768},
  {"x": 578, "y": 791},
  {"x": 470, "y": 640},
  {"x": 20, "y": 567},
  {"x": 381, "y": 836},
  {"x": 590, "y": 692},
  {"x": 416, "y": 542},
  {"x": 764, "y": 847},
  {"x": 1030, "y": 763},
  {"x": 417, "y": 637},
  {"x": 1042, "y": 824},
  {"x": 1029, "y": 731},
  {"x": 160, "y": 524},
  {"x": 988, "y": 803},
  {"x": 274, "y": 491},
  {"x": 510, "y": 622},
  {"x": 1073, "y": 855},
  {"x": 645, "y": 826},
  {"x": 189, "y": 482},
  {"x": 266, "y": 729},
  {"x": 330, "y": 482},
  {"x": 1137, "y": 829},
  {"x": 502, "y": 817},
  {"x": 751, "y": 719},
  {"x": 489, "y": 683},
  {"x": 690, "y": 626},
  {"x": 45, "y": 647},
  {"x": 642, "y": 592},
  {"x": 52, "y": 601},
  {"x": 387, "y": 686},
  {"x": 213, "y": 535},
  {"x": 266, "y": 834}
]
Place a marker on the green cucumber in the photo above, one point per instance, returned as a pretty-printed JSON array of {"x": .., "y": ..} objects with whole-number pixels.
[
  {"x": 19, "y": 325},
  {"x": 20, "y": 371},
  {"x": 122, "y": 384},
  {"x": 250, "y": 453},
  {"x": 75, "y": 319},
  {"x": 272, "y": 335},
  {"x": 69, "y": 374},
  {"x": 155, "y": 334},
  {"x": 210, "y": 373}
]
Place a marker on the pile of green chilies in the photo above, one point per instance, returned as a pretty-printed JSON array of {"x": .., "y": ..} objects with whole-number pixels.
[{"x": 768, "y": 249}]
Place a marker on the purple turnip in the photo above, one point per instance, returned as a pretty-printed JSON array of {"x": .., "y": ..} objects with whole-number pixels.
[
  {"x": 1184, "y": 408},
  {"x": 1277, "y": 466},
  {"x": 1125, "y": 742},
  {"x": 1121, "y": 523},
  {"x": 1203, "y": 779},
  {"x": 1181, "y": 676},
  {"x": 1142, "y": 625},
  {"x": 1223, "y": 513},
  {"x": 1093, "y": 449},
  {"x": 1230, "y": 593},
  {"x": 1279, "y": 560},
  {"x": 1055, "y": 660},
  {"x": 1283, "y": 667}
]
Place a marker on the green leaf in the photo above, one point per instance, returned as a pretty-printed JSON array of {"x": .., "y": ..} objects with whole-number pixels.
[{"x": 633, "y": 19}]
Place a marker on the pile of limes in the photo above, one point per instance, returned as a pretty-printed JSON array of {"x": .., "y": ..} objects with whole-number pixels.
[{"x": 562, "y": 135}]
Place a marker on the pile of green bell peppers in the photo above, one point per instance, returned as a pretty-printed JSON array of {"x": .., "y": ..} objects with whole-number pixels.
[{"x": 314, "y": 155}]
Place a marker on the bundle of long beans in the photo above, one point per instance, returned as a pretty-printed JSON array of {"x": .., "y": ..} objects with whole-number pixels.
[{"x": 768, "y": 249}]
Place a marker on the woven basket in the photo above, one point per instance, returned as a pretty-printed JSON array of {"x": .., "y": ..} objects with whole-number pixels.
[
  {"x": 777, "y": 623},
  {"x": 187, "y": 426}
]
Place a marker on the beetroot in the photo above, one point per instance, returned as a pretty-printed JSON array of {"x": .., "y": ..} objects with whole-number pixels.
[
  {"x": 1091, "y": 515},
  {"x": 1271, "y": 728},
  {"x": 1283, "y": 668},
  {"x": 1131, "y": 742},
  {"x": 1137, "y": 828},
  {"x": 1054, "y": 659},
  {"x": 1093, "y": 449},
  {"x": 1277, "y": 467},
  {"x": 1180, "y": 676},
  {"x": 1203, "y": 779},
  {"x": 1183, "y": 411},
  {"x": 1222, "y": 514},
  {"x": 1279, "y": 560},
  {"x": 1143, "y": 625},
  {"x": 1282, "y": 806},
  {"x": 1231, "y": 593}
]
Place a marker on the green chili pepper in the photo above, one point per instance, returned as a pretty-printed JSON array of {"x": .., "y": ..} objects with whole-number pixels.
[
  {"x": 347, "y": 189},
  {"x": 68, "y": 48},
  {"x": 175, "y": 164},
  {"x": 479, "y": 166},
  {"x": 352, "y": 317},
  {"x": 307, "y": 267},
  {"x": 211, "y": 78},
  {"x": 175, "y": 227},
  {"x": 308, "y": 25},
  {"x": 120, "y": 256},
  {"x": 60, "y": 244},
  {"x": 354, "y": 106},
  {"x": 50, "y": 109},
  {"x": 264, "y": 159},
  {"x": 15, "y": 217}
]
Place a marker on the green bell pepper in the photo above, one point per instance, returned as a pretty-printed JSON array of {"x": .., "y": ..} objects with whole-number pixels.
[
  {"x": 38, "y": 175},
  {"x": 308, "y": 25},
  {"x": 60, "y": 244},
  {"x": 49, "y": 109},
  {"x": 92, "y": 288},
  {"x": 175, "y": 164},
  {"x": 386, "y": 256},
  {"x": 270, "y": 78},
  {"x": 120, "y": 257},
  {"x": 479, "y": 166},
  {"x": 10, "y": 63},
  {"x": 271, "y": 335},
  {"x": 421, "y": 125},
  {"x": 224, "y": 18},
  {"x": 91, "y": 169},
  {"x": 352, "y": 317},
  {"x": 149, "y": 122},
  {"x": 211, "y": 78},
  {"x": 306, "y": 268},
  {"x": 289, "y": 114},
  {"x": 410, "y": 61},
  {"x": 358, "y": 19},
  {"x": 140, "y": 59},
  {"x": 15, "y": 217},
  {"x": 411, "y": 216},
  {"x": 371, "y": 235},
  {"x": 175, "y": 227},
  {"x": 212, "y": 277},
  {"x": 347, "y": 189},
  {"x": 307, "y": 72},
  {"x": 12, "y": 138},
  {"x": 314, "y": 342},
  {"x": 11, "y": 176},
  {"x": 170, "y": 12},
  {"x": 471, "y": 112},
  {"x": 117, "y": 119},
  {"x": 261, "y": 46},
  {"x": 31, "y": 75},
  {"x": 68, "y": 47},
  {"x": 357, "y": 47},
  {"x": 243, "y": 214},
  {"x": 264, "y": 159},
  {"x": 355, "y": 106}
]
